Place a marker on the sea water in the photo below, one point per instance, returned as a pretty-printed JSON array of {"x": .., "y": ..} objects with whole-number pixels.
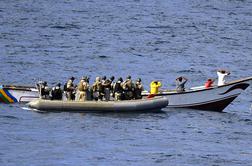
[{"x": 154, "y": 40}]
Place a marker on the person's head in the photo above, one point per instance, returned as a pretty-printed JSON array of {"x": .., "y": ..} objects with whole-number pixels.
[
  {"x": 139, "y": 80},
  {"x": 97, "y": 79},
  {"x": 209, "y": 80},
  {"x": 45, "y": 83},
  {"x": 59, "y": 84},
  {"x": 120, "y": 79},
  {"x": 112, "y": 78},
  {"x": 222, "y": 71},
  {"x": 128, "y": 77},
  {"x": 72, "y": 78},
  {"x": 84, "y": 78},
  {"x": 156, "y": 82},
  {"x": 104, "y": 78},
  {"x": 179, "y": 79}
]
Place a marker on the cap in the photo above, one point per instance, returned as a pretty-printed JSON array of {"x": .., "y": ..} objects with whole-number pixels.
[
  {"x": 120, "y": 79},
  {"x": 84, "y": 78},
  {"x": 112, "y": 78},
  {"x": 97, "y": 78}
]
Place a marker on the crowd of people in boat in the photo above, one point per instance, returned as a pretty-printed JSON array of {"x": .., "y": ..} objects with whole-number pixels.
[
  {"x": 105, "y": 89},
  {"x": 101, "y": 89}
]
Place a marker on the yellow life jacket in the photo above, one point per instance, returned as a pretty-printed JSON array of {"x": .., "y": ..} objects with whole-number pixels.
[{"x": 154, "y": 87}]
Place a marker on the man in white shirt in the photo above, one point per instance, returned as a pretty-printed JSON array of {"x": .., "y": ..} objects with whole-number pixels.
[{"x": 221, "y": 76}]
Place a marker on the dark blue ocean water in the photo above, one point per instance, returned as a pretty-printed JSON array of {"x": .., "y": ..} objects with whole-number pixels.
[{"x": 52, "y": 40}]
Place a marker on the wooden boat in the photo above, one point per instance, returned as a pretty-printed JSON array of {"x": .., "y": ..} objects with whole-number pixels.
[
  {"x": 216, "y": 98},
  {"x": 12, "y": 94},
  {"x": 143, "y": 105}
]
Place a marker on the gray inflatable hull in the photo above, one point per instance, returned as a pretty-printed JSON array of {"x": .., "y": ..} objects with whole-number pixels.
[{"x": 99, "y": 106}]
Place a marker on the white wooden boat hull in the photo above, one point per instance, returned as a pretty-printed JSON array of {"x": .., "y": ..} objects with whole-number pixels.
[{"x": 214, "y": 99}]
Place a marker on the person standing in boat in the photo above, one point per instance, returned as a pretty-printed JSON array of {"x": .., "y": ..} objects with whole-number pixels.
[
  {"x": 180, "y": 84},
  {"x": 221, "y": 76},
  {"x": 154, "y": 87},
  {"x": 70, "y": 89},
  {"x": 138, "y": 89}
]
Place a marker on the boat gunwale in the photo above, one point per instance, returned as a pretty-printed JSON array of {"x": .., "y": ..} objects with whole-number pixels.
[{"x": 19, "y": 88}]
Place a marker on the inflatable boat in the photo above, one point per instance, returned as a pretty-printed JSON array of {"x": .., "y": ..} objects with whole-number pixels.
[
  {"x": 216, "y": 98},
  {"x": 144, "y": 105}
]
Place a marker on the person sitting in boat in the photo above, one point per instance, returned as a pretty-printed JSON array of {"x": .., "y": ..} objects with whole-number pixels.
[
  {"x": 221, "y": 76},
  {"x": 209, "y": 83},
  {"x": 112, "y": 84},
  {"x": 104, "y": 78},
  {"x": 180, "y": 84},
  {"x": 138, "y": 89},
  {"x": 106, "y": 84},
  {"x": 97, "y": 89},
  {"x": 128, "y": 88},
  {"x": 70, "y": 89},
  {"x": 118, "y": 90},
  {"x": 56, "y": 92},
  {"x": 89, "y": 91},
  {"x": 154, "y": 87},
  {"x": 83, "y": 87},
  {"x": 45, "y": 91}
]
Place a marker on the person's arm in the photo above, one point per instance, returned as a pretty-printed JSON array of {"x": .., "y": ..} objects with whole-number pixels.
[
  {"x": 185, "y": 80},
  {"x": 154, "y": 83}
]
